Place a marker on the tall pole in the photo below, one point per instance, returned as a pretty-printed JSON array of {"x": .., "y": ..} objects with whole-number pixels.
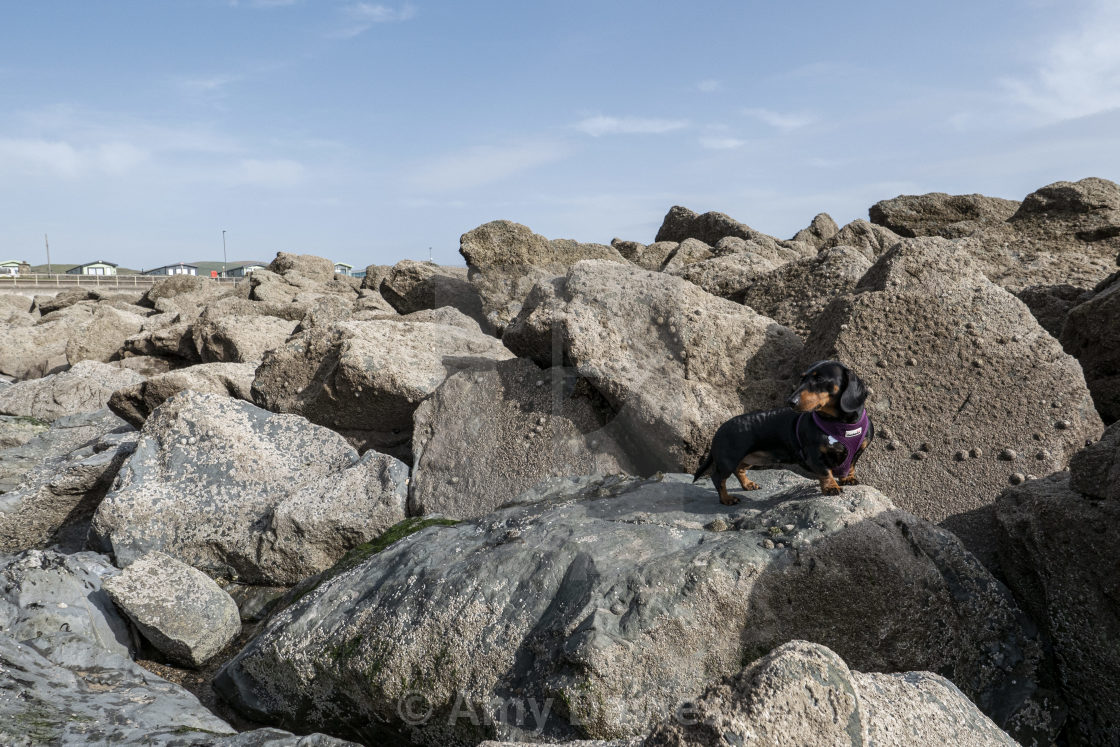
[
  {"x": 48, "y": 243},
  {"x": 224, "y": 260}
]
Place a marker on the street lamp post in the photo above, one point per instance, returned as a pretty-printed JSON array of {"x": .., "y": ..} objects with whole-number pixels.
[{"x": 224, "y": 260}]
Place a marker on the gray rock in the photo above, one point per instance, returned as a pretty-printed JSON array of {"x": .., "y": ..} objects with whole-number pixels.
[
  {"x": 374, "y": 275},
  {"x": 134, "y": 403},
  {"x": 687, "y": 252},
  {"x": 680, "y": 223},
  {"x": 54, "y": 502},
  {"x": 611, "y": 604},
  {"x": 178, "y": 609},
  {"x": 414, "y": 286},
  {"x": 780, "y": 699},
  {"x": 32, "y": 351},
  {"x": 1058, "y": 553},
  {"x": 308, "y": 266},
  {"x": 1051, "y": 304},
  {"x": 16, "y": 430},
  {"x": 240, "y": 492},
  {"x": 238, "y": 339},
  {"x": 64, "y": 436},
  {"x": 1092, "y": 335},
  {"x": 796, "y": 293},
  {"x": 820, "y": 229},
  {"x": 727, "y": 275},
  {"x": 654, "y": 256},
  {"x": 172, "y": 341},
  {"x": 184, "y": 291},
  {"x": 1095, "y": 470},
  {"x": 104, "y": 336},
  {"x": 867, "y": 238},
  {"x": 365, "y": 379},
  {"x": 672, "y": 361},
  {"x": 929, "y": 214},
  {"x": 952, "y": 345},
  {"x": 145, "y": 365},
  {"x": 505, "y": 259},
  {"x": 83, "y": 388},
  {"x": 486, "y": 436}
]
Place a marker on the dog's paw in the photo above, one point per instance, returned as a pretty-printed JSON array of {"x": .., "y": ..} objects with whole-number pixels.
[
  {"x": 849, "y": 480},
  {"x": 750, "y": 485},
  {"x": 729, "y": 501}
]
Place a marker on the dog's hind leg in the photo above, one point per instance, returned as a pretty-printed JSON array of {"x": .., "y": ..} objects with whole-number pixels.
[{"x": 744, "y": 481}]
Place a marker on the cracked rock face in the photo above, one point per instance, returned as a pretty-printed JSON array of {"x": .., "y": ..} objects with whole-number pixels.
[
  {"x": 237, "y": 491},
  {"x": 611, "y": 600},
  {"x": 85, "y": 387}
]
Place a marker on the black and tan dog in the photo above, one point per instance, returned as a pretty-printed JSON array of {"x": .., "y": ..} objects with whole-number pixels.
[{"x": 825, "y": 430}]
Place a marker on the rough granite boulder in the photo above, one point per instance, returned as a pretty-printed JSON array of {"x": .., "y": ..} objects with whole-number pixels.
[
  {"x": 308, "y": 266},
  {"x": 688, "y": 252},
  {"x": 796, "y": 293},
  {"x": 135, "y": 403},
  {"x": 16, "y": 430},
  {"x": 238, "y": 339},
  {"x": 726, "y": 275},
  {"x": 592, "y": 608},
  {"x": 780, "y": 699},
  {"x": 505, "y": 259},
  {"x": 63, "y": 436},
  {"x": 241, "y": 492},
  {"x": 486, "y": 436},
  {"x": 929, "y": 214},
  {"x": 820, "y": 229},
  {"x": 171, "y": 341},
  {"x": 1058, "y": 552},
  {"x": 655, "y": 255},
  {"x": 1051, "y": 304},
  {"x": 85, "y": 387},
  {"x": 1095, "y": 470},
  {"x": 867, "y": 238},
  {"x": 39, "y": 349},
  {"x": 1092, "y": 335},
  {"x": 178, "y": 609},
  {"x": 680, "y": 223},
  {"x": 672, "y": 361},
  {"x": 414, "y": 286},
  {"x": 365, "y": 379},
  {"x": 53, "y": 503},
  {"x": 104, "y": 336},
  {"x": 968, "y": 392}
]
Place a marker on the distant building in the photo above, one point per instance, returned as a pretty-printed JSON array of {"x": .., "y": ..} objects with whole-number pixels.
[
  {"x": 341, "y": 268},
  {"x": 243, "y": 270},
  {"x": 358, "y": 274},
  {"x": 14, "y": 267},
  {"x": 177, "y": 269},
  {"x": 100, "y": 267}
]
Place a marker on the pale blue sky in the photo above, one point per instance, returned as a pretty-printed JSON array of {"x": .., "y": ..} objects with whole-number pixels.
[{"x": 135, "y": 131}]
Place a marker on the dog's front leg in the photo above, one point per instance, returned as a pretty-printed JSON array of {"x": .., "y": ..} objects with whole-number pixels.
[{"x": 829, "y": 485}]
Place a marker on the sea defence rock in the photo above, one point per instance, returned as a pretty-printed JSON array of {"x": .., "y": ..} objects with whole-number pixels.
[
  {"x": 820, "y": 229},
  {"x": 486, "y": 436},
  {"x": 930, "y": 214},
  {"x": 672, "y": 361},
  {"x": 1057, "y": 544},
  {"x": 244, "y": 493},
  {"x": 16, "y": 430},
  {"x": 365, "y": 379},
  {"x": 86, "y": 387},
  {"x": 680, "y": 223},
  {"x": 414, "y": 286},
  {"x": 968, "y": 391},
  {"x": 867, "y": 238},
  {"x": 1092, "y": 335},
  {"x": 135, "y": 402},
  {"x": 52, "y": 504},
  {"x": 238, "y": 339},
  {"x": 62, "y": 437},
  {"x": 614, "y": 599},
  {"x": 103, "y": 337},
  {"x": 178, "y": 609},
  {"x": 780, "y": 699},
  {"x": 33, "y": 350},
  {"x": 505, "y": 259}
]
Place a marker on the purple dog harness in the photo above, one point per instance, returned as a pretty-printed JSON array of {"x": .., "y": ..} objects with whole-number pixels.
[{"x": 851, "y": 435}]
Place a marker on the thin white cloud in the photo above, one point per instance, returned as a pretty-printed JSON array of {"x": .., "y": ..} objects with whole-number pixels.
[
  {"x": 709, "y": 86},
  {"x": 360, "y": 17},
  {"x": 483, "y": 165},
  {"x": 1079, "y": 73},
  {"x": 277, "y": 172},
  {"x": 721, "y": 142},
  {"x": 781, "y": 120},
  {"x": 598, "y": 126},
  {"x": 34, "y": 156},
  {"x": 208, "y": 83}
]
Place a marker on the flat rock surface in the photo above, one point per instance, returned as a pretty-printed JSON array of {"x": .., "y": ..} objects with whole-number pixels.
[
  {"x": 63, "y": 436},
  {"x": 86, "y": 387},
  {"x": 135, "y": 402},
  {"x": 614, "y": 600}
]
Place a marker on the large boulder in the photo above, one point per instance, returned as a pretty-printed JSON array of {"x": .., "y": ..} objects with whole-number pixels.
[
  {"x": 505, "y": 259},
  {"x": 867, "y": 238},
  {"x": 53, "y": 502},
  {"x": 486, "y": 436},
  {"x": 62, "y": 437},
  {"x": 307, "y": 266},
  {"x": 414, "y": 286},
  {"x": 927, "y": 215},
  {"x": 1092, "y": 335},
  {"x": 237, "y": 491},
  {"x": 614, "y": 600},
  {"x": 177, "y": 608},
  {"x": 104, "y": 336},
  {"x": 365, "y": 379},
  {"x": 1058, "y": 552},
  {"x": 671, "y": 360},
  {"x": 135, "y": 402},
  {"x": 38, "y": 349},
  {"x": 1095, "y": 470},
  {"x": 820, "y": 229},
  {"x": 16, "y": 430},
  {"x": 968, "y": 391},
  {"x": 85, "y": 387},
  {"x": 680, "y": 223},
  {"x": 169, "y": 340},
  {"x": 780, "y": 699},
  {"x": 238, "y": 339},
  {"x": 796, "y": 294}
]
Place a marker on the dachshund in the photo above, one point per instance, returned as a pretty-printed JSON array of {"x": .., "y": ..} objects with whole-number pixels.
[{"x": 825, "y": 430}]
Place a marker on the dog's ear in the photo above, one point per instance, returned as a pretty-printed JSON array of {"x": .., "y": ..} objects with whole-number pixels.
[{"x": 855, "y": 393}]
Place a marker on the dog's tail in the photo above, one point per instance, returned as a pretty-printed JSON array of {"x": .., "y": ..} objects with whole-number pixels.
[{"x": 703, "y": 467}]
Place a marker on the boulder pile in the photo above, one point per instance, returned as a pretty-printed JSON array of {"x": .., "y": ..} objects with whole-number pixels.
[{"x": 452, "y": 505}]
